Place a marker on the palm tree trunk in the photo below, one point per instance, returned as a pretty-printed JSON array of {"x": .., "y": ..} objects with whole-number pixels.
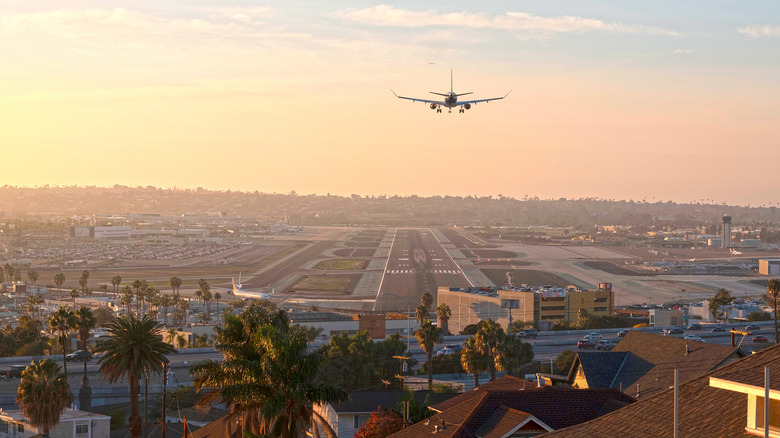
[
  {"x": 492, "y": 368},
  {"x": 146, "y": 401},
  {"x": 135, "y": 420},
  {"x": 64, "y": 360},
  {"x": 430, "y": 368}
]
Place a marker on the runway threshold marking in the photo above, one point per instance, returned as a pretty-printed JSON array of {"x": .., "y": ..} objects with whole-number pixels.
[{"x": 448, "y": 255}]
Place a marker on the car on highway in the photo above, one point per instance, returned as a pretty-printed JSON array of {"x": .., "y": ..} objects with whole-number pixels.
[
  {"x": 13, "y": 371},
  {"x": 694, "y": 338},
  {"x": 752, "y": 327},
  {"x": 760, "y": 339},
  {"x": 673, "y": 331},
  {"x": 585, "y": 343},
  {"x": 449, "y": 349},
  {"x": 592, "y": 336},
  {"x": 718, "y": 329},
  {"x": 605, "y": 344},
  {"x": 694, "y": 326},
  {"x": 622, "y": 333},
  {"x": 528, "y": 333},
  {"x": 79, "y": 355}
]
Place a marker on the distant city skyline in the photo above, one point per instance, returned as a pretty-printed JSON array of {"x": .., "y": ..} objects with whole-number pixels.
[{"x": 653, "y": 100}]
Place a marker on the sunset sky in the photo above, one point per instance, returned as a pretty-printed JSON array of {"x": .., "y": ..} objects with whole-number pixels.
[{"x": 634, "y": 100}]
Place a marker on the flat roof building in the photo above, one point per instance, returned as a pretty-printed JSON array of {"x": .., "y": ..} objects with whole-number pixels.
[{"x": 769, "y": 267}]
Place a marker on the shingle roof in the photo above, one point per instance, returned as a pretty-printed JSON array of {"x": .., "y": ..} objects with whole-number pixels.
[
  {"x": 704, "y": 411},
  {"x": 650, "y": 360},
  {"x": 368, "y": 401},
  {"x": 503, "y": 383},
  {"x": 502, "y": 421},
  {"x": 555, "y": 407}
]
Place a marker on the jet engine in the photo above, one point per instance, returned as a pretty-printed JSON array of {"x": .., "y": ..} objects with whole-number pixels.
[
  {"x": 467, "y": 106},
  {"x": 433, "y": 106}
]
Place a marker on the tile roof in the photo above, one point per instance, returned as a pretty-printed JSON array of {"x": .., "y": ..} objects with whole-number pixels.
[
  {"x": 650, "y": 360},
  {"x": 704, "y": 411},
  {"x": 557, "y": 408}
]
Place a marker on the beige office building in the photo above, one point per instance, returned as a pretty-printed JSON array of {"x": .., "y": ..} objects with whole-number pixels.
[{"x": 470, "y": 306}]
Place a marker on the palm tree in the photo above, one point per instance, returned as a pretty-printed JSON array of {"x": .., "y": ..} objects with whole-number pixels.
[
  {"x": 135, "y": 347},
  {"x": 426, "y": 299},
  {"x": 175, "y": 283},
  {"x": 74, "y": 294},
  {"x": 59, "y": 280},
  {"x": 427, "y": 336},
  {"x": 83, "y": 282},
  {"x": 205, "y": 290},
  {"x": 444, "y": 314},
  {"x": 472, "y": 359},
  {"x": 127, "y": 298},
  {"x": 9, "y": 271},
  {"x": 63, "y": 321},
  {"x": 773, "y": 293},
  {"x": 43, "y": 394},
  {"x": 32, "y": 274},
  {"x": 116, "y": 280},
  {"x": 165, "y": 302},
  {"x": 217, "y": 297},
  {"x": 421, "y": 314},
  {"x": 198, "y": 294},
  {"x": 489, "y": 336},
  {"x": 85, "y": 321},
  {"x": 183, "y": 306}
]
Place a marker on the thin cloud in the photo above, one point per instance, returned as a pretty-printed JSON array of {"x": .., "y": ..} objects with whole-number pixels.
[
  {"x": 758, "y": 31},
  {"x": 384, "y": 15}
]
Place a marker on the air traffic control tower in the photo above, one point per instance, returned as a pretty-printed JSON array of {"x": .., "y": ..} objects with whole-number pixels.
[{"x": 726, "y": 240}]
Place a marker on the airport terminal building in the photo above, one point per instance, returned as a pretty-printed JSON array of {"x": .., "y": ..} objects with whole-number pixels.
[{"x": 543, "y": 305}]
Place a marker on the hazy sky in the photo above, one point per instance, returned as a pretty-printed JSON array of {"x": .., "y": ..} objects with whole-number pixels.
[{"x": 674, "y": 100}]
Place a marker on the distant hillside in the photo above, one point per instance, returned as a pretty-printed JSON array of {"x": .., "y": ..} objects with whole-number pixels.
[{"x": 578, "y": 214}]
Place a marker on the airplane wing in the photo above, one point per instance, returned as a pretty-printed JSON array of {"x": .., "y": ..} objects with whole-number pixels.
[
  {"x": 415, "y": 99},
  {"x": 483, "y": 100}
]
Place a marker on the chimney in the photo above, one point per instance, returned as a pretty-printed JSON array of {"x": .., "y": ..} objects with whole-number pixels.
[
  {"x": 638, "y": 391},
  {"x": 687, "y": 350}
]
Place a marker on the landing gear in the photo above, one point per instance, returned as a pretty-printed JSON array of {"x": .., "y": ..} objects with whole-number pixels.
[
  {"x": 438, "y": 110},
  {"x": 461, "y": 111}
]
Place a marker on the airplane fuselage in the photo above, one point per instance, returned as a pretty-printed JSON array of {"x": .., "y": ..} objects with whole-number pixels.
[{"x": 451, "y": 101}]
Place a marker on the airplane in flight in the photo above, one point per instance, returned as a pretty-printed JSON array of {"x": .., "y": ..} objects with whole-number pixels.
[
  {"x": 237, "y": 291},
  {"x": 450, "y": 99}
]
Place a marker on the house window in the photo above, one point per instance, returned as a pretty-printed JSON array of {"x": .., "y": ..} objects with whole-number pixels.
[
  {"x": 599, "y": 309},
  {"x": 358, "y": 421},
  {"x": 774, "y": 414},
  {"x": 3, "y": 426},
  {"x": 19, "y": 427},
  {"x": 82, "y": 428}
]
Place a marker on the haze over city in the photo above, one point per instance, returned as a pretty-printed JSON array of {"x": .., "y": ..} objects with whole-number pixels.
[{"x": 655, "y": 100}]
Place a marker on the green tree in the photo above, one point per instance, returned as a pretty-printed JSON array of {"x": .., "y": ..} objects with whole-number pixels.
[
  {"x": 85, "y": 321},
  {"x": 32, "y": 274},
  {"x": 134, "y": 348},
  {"x": 43, "y": 394},
  {"x": 83, "y": 282},
  {"x": 426, "y": 300},
  {"x": 721, "y": 299},
  {"x": 759, "y": 316},
  {"x": 773, "y": 292},
  {"x": 564, "y": 361},
  {"x": 489, "y": 337},
  {"x": 357, "y": 361},
  {"x": 512, "y": 353},
  {"x": 59, "y": 280},
  {"x": 205, "y": 291},
  {"x": 74, "y": 293},
  {"x": 443, "y": 364},
  {"x": 473, "y": 359},
  {"x": 427, "y": 336},
  {"x": 63, "y": 321},
  {"x": 443, "y": 313},
  {"x": 9, "y": 271},
  {"x": 175, "y": 283}
]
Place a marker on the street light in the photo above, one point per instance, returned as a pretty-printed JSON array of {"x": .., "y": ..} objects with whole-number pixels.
[{"x": 408, "y": 322}]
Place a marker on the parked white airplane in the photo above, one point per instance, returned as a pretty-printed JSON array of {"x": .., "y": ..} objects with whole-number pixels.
[
  {"x": 450, "y": 99},
  {"x": 735, "y": 252},
  {"x": 247, "y": 293}
]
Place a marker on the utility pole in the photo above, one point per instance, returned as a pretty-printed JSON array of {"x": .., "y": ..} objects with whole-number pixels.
[{"x": 165, "y": 384}]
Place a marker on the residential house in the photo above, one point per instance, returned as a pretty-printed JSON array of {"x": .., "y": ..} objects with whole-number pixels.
[
  {"x": 503, "y": 408},
  {"x": 642, "y": 364},
  {"x": 725, "y": 402},
  {"x": 73, "y": 424}
]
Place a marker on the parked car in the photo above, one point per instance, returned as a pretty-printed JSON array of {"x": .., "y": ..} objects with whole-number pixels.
[
  {"x": 694, "y": 338},
  {"x": 694, "y": 326},
  {"x": 605, "y": 344},
  {"x": 673, "y": 331},
  {"x": 718, "y": 329},
  {"x": 528, "y": 333},
  {"x": 79, "y": 355},
  {"x": 759, "y": 338},
  {"x": 622, "y": 333},
  {"x": 585, "y": 343}
]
